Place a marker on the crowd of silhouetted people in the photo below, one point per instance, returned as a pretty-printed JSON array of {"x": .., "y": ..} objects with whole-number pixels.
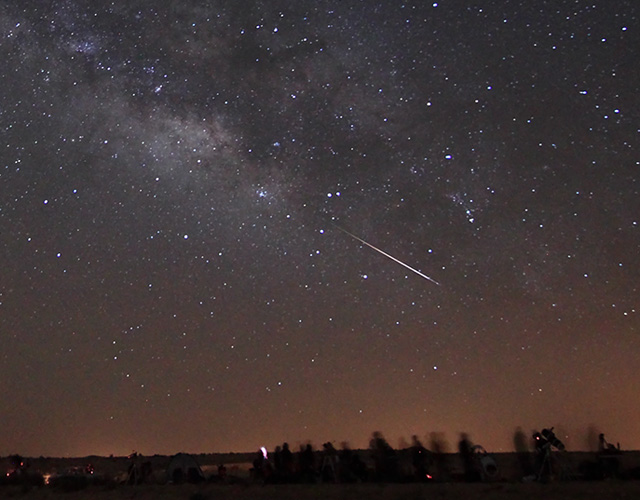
[
  {"x": 379, "y": 463},
  {"x": 538, "y": 457},
  {"x": 309, "y": 466}
]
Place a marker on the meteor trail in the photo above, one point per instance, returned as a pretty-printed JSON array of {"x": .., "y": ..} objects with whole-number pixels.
[{"x": 387, "y": 255}]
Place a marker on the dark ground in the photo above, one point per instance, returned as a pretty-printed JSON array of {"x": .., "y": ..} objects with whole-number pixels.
[{"x": 240, "y": 486}]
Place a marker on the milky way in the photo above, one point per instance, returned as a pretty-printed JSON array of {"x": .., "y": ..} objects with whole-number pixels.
[{"x": 172, "y": 180}]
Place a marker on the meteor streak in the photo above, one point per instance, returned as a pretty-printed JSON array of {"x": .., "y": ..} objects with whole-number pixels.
[{"x": 387, "y": 255}]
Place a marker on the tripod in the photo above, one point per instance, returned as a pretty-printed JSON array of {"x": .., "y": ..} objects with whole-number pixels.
[{"x": 546, "y": 467}]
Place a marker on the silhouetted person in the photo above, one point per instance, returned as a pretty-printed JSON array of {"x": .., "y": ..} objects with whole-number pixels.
[
  {"x": 420, "y": 459},
  {"x": 608, "y": 461},
  {"x": 257, "y": 462},
  {"x": 307, "y": 463},
  {"x": 139, "y": 472},
  {"x": 194, "y": 475},
  {"x": 222, "y": 473},
  {"x": 329, "y": 467},
  {"x": 592, "y": 440},
  {"x": 603, "y": 446},
  {"x": 277, "y": 462},
  {"x": 262, "y": 467},
  {"x": 522, "y": 452},
  {"x": 17, "y": 462},
  {"x": 287, "y": 462},
  {"x": 146, "y": 470},
  {"x": 466, "y": 455},
  {"x": 351, "y": 468},
  {"x": 19, "y": 468},
  {"x": 358, "y": 468},
  {"x": 439, "y": 448},
  {"x": 384, "y": 458},
  {"x": 344, "y": 464},
  {"x": 20, "y": 474}
]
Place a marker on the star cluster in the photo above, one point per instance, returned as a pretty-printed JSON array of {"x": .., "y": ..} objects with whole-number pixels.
[{"x": 173, "y": 181}]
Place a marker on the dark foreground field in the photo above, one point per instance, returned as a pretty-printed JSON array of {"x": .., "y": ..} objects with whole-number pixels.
[
  {"x": 497, "y": 491},
  {"x": 110, "y": 477}
]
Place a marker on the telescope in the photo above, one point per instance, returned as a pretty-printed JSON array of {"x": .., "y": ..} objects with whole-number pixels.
[
  {"x": 547, "y": 439},
  {"x": 552, "y": 439}
]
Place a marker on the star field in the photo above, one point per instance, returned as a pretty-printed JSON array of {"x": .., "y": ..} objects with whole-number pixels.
[{"x": 173, "y": 182}]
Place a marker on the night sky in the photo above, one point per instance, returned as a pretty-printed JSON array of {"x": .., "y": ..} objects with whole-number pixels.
[{"x": 177, "y": 189}]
